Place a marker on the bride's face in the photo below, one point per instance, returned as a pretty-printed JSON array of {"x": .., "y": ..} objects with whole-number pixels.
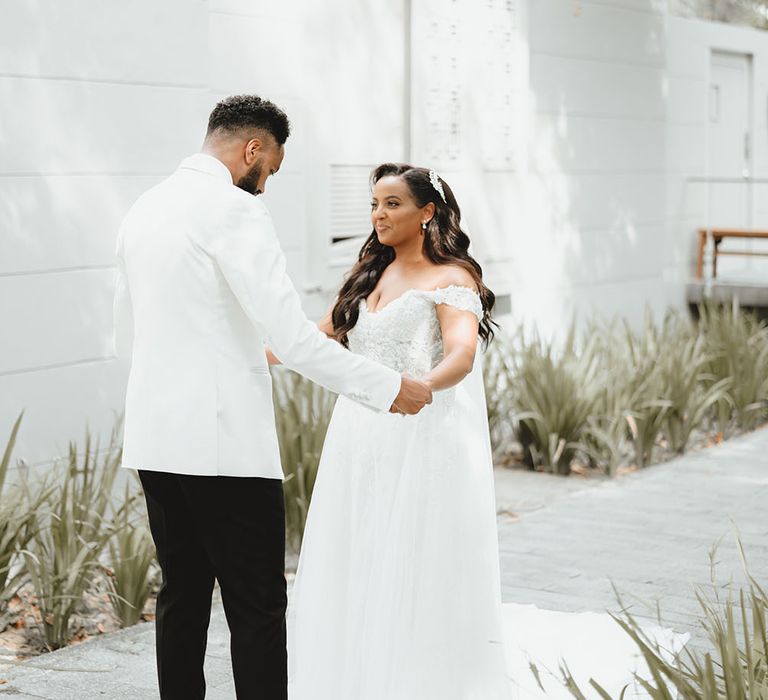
[{"x": 395, "y": 215}]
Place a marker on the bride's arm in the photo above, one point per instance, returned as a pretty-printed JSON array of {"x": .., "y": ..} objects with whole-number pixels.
[
  {"x": 459, "y": 330},
  {"x": 325, "y": 324}
]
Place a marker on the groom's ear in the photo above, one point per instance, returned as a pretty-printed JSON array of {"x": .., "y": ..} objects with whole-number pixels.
[{"x": 253, "y": 148}]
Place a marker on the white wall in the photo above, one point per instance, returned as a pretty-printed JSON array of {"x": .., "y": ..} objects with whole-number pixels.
[
  {"x": 575, "y": 122},
  {"x": 99, "y": 101},
  {"x": 690, "y": 43},
  {"x": 107, "y": 98},
  {"x": 258, "y": 48},
  {"x": 619, "y": 108},
  {"x": 469, "y": 81},
  {"x": 596, "y": 217}
]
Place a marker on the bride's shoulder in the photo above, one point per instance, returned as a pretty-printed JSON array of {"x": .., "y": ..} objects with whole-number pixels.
[
  {"x": 456, "y": 287},
  {"x": 454, "y": 276}
]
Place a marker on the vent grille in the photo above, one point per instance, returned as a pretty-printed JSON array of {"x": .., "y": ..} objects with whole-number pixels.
[{"x": 350, "y": 220}]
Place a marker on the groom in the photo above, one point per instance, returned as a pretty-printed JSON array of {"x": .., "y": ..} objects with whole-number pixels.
[{"x": 201, "y": 288}]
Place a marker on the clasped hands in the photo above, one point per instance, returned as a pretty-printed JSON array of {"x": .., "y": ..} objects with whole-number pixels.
[{"x": 413, "y": 396}]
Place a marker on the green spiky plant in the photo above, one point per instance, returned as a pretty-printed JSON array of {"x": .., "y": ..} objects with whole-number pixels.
[
  {"x": 648, "y": 405},
  {"x": 498, "y": 378},
  {"x": 70, "y": 532},
  {"x": 13, "y": 521},
  {"x": 692, "y": 391},
  {"x": 605, "y": 439},
  {"x": 735, "y": 666},
  {"x": 554, "y": 398},
  {"x": 17, "y": 509},
  {"x": 132, "y": 560},
  {"x": 737, "y": 344},
  {"x": 302, "y": 412},
  {"x": 646, "y": 392}
]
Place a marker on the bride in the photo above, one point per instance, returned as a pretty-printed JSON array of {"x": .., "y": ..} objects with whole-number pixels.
[
  {"x": 397, "y": 593},
  {"x": 397, "y": 590}
]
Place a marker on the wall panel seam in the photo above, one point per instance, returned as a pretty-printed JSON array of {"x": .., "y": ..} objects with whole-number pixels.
[
  {"x": 687, "y": 77},
  {"x": 624, "y": 8},
  {"x": 57, "y": 365},
  {"x": 56, "y": 270},
  {"x": 599, "y": 171},
  {"x": 598, "y": 230},
  {"x": 658, "y": 276},
  {"x": 84, "y": 173},
  {"x": 256, "y": 15},
  {"x": 657, "y": 65},
  {"x": 601, "y": 115},
  {"x": 104, "y": 81}
]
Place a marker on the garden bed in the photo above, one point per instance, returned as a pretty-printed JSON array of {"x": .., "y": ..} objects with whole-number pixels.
[{"x": 76, "y": 558}]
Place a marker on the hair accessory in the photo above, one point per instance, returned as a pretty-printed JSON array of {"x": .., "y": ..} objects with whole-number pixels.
[{"x": 435, "y": 180}]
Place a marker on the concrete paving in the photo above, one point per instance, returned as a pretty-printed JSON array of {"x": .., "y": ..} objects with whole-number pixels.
[
  {"x": 649, "y": 532},
  {"x": 562, "y": 541}
]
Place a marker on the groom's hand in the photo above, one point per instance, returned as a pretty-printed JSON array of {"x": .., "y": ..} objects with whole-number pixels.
[{"x": 413, "y": 396}]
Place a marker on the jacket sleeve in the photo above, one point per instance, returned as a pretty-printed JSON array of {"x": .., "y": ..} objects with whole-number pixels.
[
  {"x": 122, "y": 310},
  {"x": 253, "y": 264}
]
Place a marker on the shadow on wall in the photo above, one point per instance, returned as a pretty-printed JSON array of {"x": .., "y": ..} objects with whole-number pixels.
[
  {"x": 596, "y": 238},
  {"x": 88, "y": 133},
  {"x": 578, "y": 222}
]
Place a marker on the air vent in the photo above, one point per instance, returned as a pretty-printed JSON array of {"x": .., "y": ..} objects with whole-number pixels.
[{"x": 350, "y": 221}]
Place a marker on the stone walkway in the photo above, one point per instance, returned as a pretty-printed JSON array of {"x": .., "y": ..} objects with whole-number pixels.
[
  {"x": 649, "y": 532},
  {"x": 562, "y": 541}
]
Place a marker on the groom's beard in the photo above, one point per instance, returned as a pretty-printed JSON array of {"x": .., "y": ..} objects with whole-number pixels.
[{"x": 250, "y": 181}]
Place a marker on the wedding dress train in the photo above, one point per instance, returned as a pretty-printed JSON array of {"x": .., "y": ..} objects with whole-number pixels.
[{"x": 397, "y": 593}]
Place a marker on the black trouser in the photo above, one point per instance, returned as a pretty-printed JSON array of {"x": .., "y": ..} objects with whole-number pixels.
[{"x": 231, "y": 529}]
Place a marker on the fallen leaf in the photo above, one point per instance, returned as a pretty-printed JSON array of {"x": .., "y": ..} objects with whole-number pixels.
[{"x": 508, "y": 516}]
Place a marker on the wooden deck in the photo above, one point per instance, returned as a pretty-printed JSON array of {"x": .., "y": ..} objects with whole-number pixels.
[{"x": 748, "y": 295}]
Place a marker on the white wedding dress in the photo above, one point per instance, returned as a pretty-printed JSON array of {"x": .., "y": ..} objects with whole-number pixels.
[{"x": 397, "y": 593}]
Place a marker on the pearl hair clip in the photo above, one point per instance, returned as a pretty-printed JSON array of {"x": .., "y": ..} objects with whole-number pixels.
[{"x": 435, "y": 180}]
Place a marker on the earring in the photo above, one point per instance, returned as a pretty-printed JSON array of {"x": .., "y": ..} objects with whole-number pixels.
[{"x": 423, "y": 225}]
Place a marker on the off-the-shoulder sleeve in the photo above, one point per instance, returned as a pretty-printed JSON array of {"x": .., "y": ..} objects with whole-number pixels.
[{"x": 462, "y": 298}]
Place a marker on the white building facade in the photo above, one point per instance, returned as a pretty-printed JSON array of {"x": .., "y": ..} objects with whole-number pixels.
[{"x": 572, "y": 133}]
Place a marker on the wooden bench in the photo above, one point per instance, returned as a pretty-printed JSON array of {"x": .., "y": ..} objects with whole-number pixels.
[{"x": 718, "y": 236}]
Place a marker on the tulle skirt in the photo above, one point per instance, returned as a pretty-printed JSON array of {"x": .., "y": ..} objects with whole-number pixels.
[{"x": 397, "y": 593}]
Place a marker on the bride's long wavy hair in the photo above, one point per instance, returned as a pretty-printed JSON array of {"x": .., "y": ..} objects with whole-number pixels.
[{"x": 445, "y": 243}]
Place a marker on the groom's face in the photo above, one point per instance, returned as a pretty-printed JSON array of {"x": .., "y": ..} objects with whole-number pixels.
[{"x": 262, "y": 159}]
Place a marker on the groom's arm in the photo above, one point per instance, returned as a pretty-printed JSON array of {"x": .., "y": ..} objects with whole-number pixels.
[
  {"x": 325, "y": 324},
  {"x": 251, "y": 260}
]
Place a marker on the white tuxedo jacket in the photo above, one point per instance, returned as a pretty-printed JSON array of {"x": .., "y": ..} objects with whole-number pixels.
[{"x": 201, "y": 288}]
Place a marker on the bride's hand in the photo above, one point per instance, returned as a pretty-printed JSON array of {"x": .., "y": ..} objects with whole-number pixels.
[{"x": 413, "y": 396}]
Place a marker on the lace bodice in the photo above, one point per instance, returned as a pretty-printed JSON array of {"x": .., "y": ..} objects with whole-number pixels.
[{"x": 405, "y": 334}]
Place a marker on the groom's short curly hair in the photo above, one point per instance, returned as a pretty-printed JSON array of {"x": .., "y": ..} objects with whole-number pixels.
[{"x": 249, "y": 112}]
